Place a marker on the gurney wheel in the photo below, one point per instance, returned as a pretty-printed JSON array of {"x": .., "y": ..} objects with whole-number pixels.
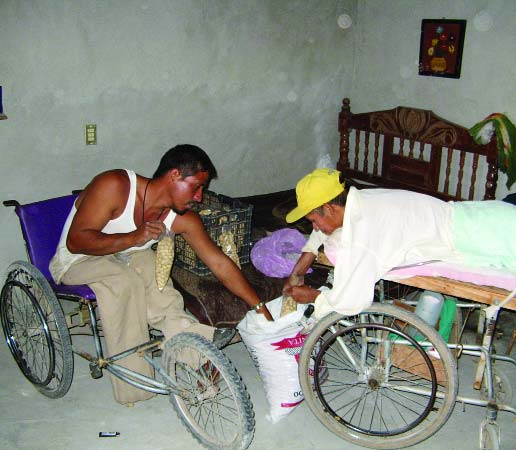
[
  {"x": 383, "y": 379},
  {"x": 215, "y": 405},
  {"x": 489, "y": 436},
  {"x": 35, "y": 330}
]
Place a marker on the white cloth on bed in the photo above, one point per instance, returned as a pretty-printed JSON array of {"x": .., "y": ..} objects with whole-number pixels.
[{"x": 382, "y": 229}]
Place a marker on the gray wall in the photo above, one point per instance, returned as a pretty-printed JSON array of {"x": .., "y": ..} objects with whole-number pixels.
[{"x": 257, "y": 83}]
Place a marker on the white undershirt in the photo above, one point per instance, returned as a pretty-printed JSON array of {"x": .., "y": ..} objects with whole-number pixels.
[{"x": 63, "y": 258}]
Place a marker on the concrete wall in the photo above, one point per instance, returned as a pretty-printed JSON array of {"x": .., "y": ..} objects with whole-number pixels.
[{"x": 256, "y": 83}]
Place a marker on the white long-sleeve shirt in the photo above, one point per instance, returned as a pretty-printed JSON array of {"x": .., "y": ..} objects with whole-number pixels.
[{"x": 382, "y": 229}]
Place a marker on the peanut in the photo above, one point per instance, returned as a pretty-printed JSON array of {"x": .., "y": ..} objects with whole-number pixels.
[
  {"x": 164, "y": 260},
  {"x": 288, "y": 305},
  {"x": 227, "y": 242}
]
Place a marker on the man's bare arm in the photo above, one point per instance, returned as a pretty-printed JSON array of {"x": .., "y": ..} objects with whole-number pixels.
[
  {"x": 300, "y": 268},
  {"x": 226, "y": 271},
  {"x": 294, "y": 285}
]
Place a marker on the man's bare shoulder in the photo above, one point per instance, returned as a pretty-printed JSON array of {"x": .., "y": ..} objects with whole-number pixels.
[
  {"x": 109, "y": 187},
  {"x": 111, "y": 178},
  {"x": 188, "y": 222}
]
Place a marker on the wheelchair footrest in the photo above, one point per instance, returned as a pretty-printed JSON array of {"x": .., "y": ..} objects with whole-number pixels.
[{"x": 81, "y": 314}]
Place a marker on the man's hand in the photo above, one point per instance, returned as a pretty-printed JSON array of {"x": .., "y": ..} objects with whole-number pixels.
[
  {"x": 293, "y": 280},
  {"x": 297, "y": 278},
  {"x": 148, "y": 231},
  {"x": 190, "y": 226},
  {"x": 302, "y": 294},
  {"x": 263, "y": 310}
]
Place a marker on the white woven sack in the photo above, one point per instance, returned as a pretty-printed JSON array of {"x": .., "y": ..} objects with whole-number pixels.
[{"x": 274, "y": 348}]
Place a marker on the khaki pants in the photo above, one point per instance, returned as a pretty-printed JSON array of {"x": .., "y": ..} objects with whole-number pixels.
[{"x": 129, "y": 300}]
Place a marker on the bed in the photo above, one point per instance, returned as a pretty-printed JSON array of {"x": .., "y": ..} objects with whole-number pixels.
[{"x": 414, "y": 149}]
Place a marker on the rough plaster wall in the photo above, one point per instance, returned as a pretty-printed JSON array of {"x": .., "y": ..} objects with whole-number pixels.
[
  {"x": 387, "y": 55},
  {"x": 257, "y": 83}
]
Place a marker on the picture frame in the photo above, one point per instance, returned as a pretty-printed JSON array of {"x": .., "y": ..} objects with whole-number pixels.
[{"x": 440, "y": 49}]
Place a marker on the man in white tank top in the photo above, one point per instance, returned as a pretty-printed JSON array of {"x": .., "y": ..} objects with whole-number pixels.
[{"x": 106, "y": 242}]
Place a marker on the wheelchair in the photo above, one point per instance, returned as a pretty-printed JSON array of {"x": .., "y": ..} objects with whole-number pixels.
[{"x": 211, "y": 400}]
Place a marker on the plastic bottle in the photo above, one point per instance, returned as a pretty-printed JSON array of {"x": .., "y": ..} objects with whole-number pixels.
[{"x": 429, "y": 307}]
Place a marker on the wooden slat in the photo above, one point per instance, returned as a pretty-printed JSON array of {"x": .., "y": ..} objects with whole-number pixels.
[
  {"x": 448, "y": 170},
  {"x": 473, "y": 177},
  {"x": 376, "y": 147},
  {"x": 461, "y": 174},
  {"x": 366, "y": 153},
  {"x": 488, "y": 295}
]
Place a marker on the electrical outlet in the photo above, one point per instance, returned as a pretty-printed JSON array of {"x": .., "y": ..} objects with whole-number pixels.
[{"x": 91, "y": 134}]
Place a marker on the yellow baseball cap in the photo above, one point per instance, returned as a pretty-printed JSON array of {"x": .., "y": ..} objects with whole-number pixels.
[{"x": 314, "y": 190}]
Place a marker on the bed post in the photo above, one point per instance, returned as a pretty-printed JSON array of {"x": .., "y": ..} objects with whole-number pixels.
[
  {"x": 344, "y": 116},
  {"x": 492, "y": 170}
]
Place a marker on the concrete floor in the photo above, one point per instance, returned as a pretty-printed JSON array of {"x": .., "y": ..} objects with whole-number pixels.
[{"x": 30, "y": 421}]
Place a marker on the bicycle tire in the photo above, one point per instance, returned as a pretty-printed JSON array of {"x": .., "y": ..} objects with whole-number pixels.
[
  {"x": 397, "y": 318},
  {"x": 216, "y": 407},
  {"x": 36, "y": 331}
]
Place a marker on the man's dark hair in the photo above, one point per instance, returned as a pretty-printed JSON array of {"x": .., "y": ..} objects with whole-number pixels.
[
  {"x": 340, "y": 200},
  {"x": 189, "y": 159}
]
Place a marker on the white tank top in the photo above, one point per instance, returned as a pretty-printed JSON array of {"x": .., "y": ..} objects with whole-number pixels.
[{"x": 63, "y": 258}]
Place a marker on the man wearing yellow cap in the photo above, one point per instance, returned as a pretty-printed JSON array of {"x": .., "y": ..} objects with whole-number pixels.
[{"x": 368, "y": 232}]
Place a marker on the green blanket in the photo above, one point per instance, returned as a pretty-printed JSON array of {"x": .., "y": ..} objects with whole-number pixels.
[{"x": 484, "y": 233}]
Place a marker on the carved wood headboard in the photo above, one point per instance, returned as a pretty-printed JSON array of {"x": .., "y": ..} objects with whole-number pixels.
[{"x": 414, "y": 149}]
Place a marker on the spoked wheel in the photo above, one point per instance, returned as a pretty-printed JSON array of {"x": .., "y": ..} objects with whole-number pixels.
[
  {"x": 214, "y": 405},
  {"x": 382, "y": 379},
  {"x": 35, "y": 330}
]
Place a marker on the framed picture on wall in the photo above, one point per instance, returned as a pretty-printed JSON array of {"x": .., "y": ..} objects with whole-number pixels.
[{"x": 440, "y": 50}]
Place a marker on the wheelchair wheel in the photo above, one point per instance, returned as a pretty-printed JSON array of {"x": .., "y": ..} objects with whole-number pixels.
[
  {"x": 381, "y": 379},
  {"x": 214, "y": 405},
  {"x": 35, "y": 330}
]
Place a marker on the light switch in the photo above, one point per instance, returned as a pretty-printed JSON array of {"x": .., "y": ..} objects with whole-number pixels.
[{"x": 91, "y": 134}]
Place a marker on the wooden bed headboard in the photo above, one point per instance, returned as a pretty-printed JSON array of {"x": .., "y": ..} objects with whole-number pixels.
[{"x": 414, "y": 149}]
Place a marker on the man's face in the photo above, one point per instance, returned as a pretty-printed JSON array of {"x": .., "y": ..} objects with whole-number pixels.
[
  {"x": 188, "y": 191},
  {"x": 325, "y": 222}
]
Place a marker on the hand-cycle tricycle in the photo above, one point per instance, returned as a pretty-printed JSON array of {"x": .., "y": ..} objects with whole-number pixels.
[{"x": 208, "y": 395}]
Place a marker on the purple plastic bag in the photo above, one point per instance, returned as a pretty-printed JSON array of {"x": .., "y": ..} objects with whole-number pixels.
[{"x": 276, "y": 254}]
